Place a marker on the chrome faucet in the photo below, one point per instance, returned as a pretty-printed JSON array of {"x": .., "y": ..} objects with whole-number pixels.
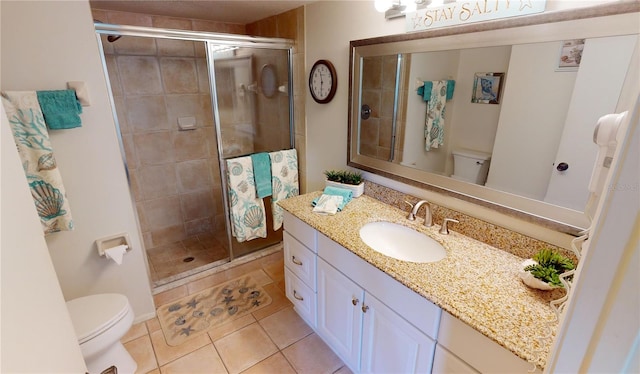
[
  {"x": 428, "y": 220},
  {"x": 444, "y": 229}
]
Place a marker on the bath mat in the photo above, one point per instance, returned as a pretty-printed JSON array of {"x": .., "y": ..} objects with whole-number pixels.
[{"x": 198, "y": 313}]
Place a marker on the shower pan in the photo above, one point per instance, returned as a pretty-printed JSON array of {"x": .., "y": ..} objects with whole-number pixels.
[{"x": 184, "y": 103}]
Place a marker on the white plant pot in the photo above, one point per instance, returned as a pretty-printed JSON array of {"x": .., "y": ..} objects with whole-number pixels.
[
  {"x": 356, "y": 190},
  {"x": 532, "y": 281}
]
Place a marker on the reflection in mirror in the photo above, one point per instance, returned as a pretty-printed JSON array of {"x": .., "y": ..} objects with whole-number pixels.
[{"x": 530, "y": 135}]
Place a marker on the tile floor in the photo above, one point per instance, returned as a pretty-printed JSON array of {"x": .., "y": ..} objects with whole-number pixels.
[
  {"x": 167, "y": 261},
  {"x": 273, "y": 339}
]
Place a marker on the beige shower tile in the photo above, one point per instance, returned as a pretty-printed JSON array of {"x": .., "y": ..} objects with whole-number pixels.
[
  {"x": 139, "y": 75},
  {"x": 171, "y": 23},
  {"x": 152, "y": 148},
  {"x": 206, "y": 110},
  {"x": 121, "y": 114},
  {"x": 184, "y": 106},
  {"x": 369, "y": 131},
  {"x": 236, "y": 357},
  {"x": 197, "y": 205},
  {"x": 389, "y": 71},
  {"x": 199, "y": 226},
  {"x": 203, "y": 74},
  {"x": 114, "y": 77},
  {"x": 169, "y": 234},
  {"x": 158, "y": 181},
  {"x": 193, "y": 176},
  {"x": 385, "y": 132},
  {"x": 130, "y": 151},
  {"x": 163, "y": 212},
  {"x": 190, "y": 145},
  {"x": 126, "y": 18},
  {"x": 141, "y": 350},
  {"x": 166, "y": 353},
  {"x": 134, "y": 183},
  {"x": 202, "y": 360},
  {"x": 372, "y": 73},
  {"x": 179, "y": 75},
  {"x": 175, "y": 48},
  {"x": 146, "y": 113},
  {"x": 142, "y": 217}
]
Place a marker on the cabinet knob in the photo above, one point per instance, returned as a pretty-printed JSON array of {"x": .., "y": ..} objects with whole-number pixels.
[
  {"x": 295, "y": 294},
  {"x": 365, "y": 308},
  {"x": 354, "y": 301},
  {"x": 296, "y": 261}
]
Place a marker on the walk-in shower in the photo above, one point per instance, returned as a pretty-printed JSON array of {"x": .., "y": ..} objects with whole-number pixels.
[{"x": 184, "y": 102}]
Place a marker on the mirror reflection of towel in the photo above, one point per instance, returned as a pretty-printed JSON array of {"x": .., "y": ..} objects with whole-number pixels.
[{"x": 434, "y": 121}]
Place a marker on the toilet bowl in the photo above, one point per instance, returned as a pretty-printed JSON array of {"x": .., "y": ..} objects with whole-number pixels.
[
  {"x": 470, "y": 166},
  {"x": 100, "y": 321}
]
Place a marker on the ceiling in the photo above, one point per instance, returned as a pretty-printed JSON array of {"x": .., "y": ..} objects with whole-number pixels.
[{"x": 231, "y": 11}]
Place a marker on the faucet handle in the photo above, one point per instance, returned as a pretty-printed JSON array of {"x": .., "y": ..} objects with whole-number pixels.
[
  {"x": 444, "y": 229},
  {"x": 412, "y": 215}
]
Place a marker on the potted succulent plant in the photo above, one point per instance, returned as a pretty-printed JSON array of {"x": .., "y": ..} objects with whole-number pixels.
[
  {"x": 345, "y": 179},
  {"x": 544, "y": 269}
]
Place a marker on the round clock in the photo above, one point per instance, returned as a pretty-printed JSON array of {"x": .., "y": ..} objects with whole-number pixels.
[{"x": 323, "y": 81}]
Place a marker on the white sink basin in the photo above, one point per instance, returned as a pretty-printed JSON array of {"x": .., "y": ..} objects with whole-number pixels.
[{"x": 401, "y": 242}]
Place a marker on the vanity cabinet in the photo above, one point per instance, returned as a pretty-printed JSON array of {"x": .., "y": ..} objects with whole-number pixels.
[{"x": 373, "y": 322}]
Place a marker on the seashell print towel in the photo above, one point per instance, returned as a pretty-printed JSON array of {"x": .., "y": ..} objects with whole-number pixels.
[
  {"x": 284, "y": 174},
  {"x": 34, "y": 147},
  {"x": 248, "y": 218}
]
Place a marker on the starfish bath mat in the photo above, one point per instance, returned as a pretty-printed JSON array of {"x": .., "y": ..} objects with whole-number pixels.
[{"x": 195, "y": 314}]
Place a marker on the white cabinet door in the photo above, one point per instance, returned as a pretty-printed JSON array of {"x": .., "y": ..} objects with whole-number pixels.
[
  {"x": 339, "y": 314},
  {"x": 390, "y": 344}
]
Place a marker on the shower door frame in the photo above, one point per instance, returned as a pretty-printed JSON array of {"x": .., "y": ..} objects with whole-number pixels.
[{"x": 210, "y": 39}]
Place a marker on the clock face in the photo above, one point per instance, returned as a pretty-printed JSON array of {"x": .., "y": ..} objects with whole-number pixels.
[{"x": 322, "y": 82}]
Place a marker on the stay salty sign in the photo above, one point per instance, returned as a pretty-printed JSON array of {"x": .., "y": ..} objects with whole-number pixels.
[{"x": 463, "y": 12}]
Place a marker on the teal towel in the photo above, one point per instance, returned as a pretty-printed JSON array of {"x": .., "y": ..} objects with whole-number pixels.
[
  {"x": 61, "y": 109},
  {"x": 336, "y": 191},
  {"x": 425, "y": 91},
  {"x": 262, "y": 174}
]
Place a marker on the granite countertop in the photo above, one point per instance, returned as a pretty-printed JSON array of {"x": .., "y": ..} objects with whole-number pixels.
[{"x": 475, "y": 282}]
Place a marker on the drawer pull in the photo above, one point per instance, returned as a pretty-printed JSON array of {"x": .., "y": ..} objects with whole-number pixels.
[
  {"x": 295, "y": 294},
  {"x": 355, "y": 301},
  {"x": 365, "y": 308},
  {"x": 296, "y": 261}
]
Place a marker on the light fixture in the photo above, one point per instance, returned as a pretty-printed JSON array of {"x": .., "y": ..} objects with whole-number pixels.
[{"x": 399, "y": 8}]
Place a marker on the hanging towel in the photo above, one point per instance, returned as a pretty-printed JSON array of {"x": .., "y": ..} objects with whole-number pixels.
[
  {"x": 262, "y": 173},
  {"x": 434, "y": 119},
  {"x": 284, "y": 167},
  {"x": 248, "y": 218},
  {"x": 36, "y": 154},
  {"x": 345, "y": 194},
  {"x": 425, "y": 91},
  {"x": 61, "y": 109}
]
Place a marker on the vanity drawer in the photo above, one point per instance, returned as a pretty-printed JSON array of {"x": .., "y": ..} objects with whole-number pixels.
[
  {"x": 305, "y": 234},
  {"x": 302, "y": 297},
  {"x": 300, "y": 261}
]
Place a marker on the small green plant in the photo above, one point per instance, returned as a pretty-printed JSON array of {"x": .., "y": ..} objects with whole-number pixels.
[
  {"x": 343, "y": 176},
  {"x": 549, "y": 266}
]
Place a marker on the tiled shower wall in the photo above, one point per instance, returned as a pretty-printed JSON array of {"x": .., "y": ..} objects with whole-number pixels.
[
  {"x": 174, "y": 174},
  {"x": 378, "y": 90}
]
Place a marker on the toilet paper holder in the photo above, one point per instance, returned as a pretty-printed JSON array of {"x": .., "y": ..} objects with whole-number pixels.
[{"x": 113, "y": 241}]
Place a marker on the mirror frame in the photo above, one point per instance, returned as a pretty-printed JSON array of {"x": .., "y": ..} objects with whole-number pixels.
[{"x": 541, "y": 27}]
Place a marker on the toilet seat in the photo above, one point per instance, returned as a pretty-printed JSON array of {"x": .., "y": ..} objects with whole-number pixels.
[{"x": 92, "y": 315}]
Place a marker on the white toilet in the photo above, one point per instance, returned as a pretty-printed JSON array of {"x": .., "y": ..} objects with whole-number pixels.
[
  {"x": 471, "y": 166},
  {"x": 100, "y": 322}
]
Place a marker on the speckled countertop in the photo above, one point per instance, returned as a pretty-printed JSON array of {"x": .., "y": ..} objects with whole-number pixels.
[{"x": 475, "y": 282}]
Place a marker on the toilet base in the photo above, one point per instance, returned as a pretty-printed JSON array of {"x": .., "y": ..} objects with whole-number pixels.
[{"x": 116, "y": 356}]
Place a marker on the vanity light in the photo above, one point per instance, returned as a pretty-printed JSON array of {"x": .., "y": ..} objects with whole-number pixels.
[{"x": 399, "y": 8}]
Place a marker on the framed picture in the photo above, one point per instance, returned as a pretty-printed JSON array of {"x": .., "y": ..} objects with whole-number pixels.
[
  {"x": 487, "y": 88},
  {"x": 570, "y": 55}
]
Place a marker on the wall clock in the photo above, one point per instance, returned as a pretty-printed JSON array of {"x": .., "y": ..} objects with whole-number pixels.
[{"x": 323, "y": 81}]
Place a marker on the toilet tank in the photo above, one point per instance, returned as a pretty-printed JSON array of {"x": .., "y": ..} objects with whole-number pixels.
[{"x": 471, "y": 166}]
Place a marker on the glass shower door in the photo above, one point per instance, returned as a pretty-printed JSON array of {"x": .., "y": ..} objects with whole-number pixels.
[{"x": 253, "y": 110}]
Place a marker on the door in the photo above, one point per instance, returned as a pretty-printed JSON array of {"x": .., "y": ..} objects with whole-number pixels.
[
  {"x": 339, "y": 313},
  {"x": 390, "y": 344}
]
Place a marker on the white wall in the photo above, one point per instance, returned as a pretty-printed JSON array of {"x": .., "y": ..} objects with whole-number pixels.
[
  {"x": 531, "y": 120},
  {"x": 37, "y": 334},
  {"x": 44, "y": 45}
]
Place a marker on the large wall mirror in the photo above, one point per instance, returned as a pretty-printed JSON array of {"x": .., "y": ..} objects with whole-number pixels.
[{"x": 502, "y": 113}]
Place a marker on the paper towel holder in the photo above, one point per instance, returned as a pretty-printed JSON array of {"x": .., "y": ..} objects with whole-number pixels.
[{"x": 113, "y": 241}]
